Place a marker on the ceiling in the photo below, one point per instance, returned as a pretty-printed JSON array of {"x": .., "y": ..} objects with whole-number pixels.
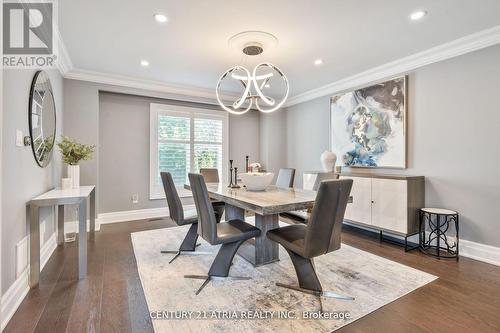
[{"x": 113, "y": 36}]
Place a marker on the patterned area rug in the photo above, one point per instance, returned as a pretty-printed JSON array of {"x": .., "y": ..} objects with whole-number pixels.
[{"x": 258, "y": 305}]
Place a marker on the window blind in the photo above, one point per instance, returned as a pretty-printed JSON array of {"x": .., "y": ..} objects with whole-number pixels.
[{"x": 185, "y": 141}]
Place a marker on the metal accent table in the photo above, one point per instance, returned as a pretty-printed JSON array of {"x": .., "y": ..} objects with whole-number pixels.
[
  {"x": 439, "y": 221},
  {"x": 60, "y": 198}
]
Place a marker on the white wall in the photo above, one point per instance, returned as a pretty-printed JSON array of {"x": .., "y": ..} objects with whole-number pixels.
[
  {"x": 453, "y": 138},
  {"x": 22, "y": 178}
]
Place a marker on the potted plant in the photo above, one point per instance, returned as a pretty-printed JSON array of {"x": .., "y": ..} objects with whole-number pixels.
[{"x": 74, "y": 152}]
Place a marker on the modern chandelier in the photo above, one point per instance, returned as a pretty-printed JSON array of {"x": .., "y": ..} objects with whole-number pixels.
[{"x": 254, "y": 83}]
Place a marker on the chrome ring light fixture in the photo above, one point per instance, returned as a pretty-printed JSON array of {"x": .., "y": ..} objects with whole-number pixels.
[{"x": 257, "y": 81}]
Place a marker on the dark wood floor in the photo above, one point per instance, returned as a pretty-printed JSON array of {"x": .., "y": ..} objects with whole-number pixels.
[{"x": 465, "y": 298}]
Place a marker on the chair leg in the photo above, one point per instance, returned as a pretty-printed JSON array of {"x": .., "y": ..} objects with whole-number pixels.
[
  {"x": 207, "y": 280},
  {"x": 175, "y": 257},
  {"x": 306, "y": 274},
  {"x": 308, "y": 280},
  {"x": 188, "y": 244},
  {"x": 221, "y": 265},
  {"x": 222, "y": 262}
]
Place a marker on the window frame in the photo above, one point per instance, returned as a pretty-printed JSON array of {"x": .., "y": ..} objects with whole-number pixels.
[{"x": 156, "y": 191}]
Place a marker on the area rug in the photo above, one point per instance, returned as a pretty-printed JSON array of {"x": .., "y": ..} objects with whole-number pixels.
[{"x": 258, "y": 305}]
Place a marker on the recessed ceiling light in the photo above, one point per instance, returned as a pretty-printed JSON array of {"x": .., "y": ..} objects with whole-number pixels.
[
  {"x": 161, "y": 18},
  {"x": 144, "y": 63},
  {"x": 318, "y": 62},
  {"x": 418, "y": 15}
]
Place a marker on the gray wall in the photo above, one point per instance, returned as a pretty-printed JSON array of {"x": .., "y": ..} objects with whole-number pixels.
[
  {"x": 244, "y": 138},
  {"x": 22, "y": 178},
  {"x": 453, "y": 138},
  {"x": 124, "y": 148},
  {"x": 99, "y": 114},
  {"x": 273, "y": 143},
  {"x": 307, "y": 127},
  {"x": 81, "y": 121}
]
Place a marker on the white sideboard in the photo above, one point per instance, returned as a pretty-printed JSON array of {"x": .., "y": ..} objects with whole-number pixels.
[{"x": 386, "y": 202}]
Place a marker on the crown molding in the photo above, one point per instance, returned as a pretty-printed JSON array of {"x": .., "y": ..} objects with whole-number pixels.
[
  {"x": 64, "y": 63},
  {"x": 470, "y": 43},
  {"x": 68, "y": 71},
  {"x": 144, "y": 84}
]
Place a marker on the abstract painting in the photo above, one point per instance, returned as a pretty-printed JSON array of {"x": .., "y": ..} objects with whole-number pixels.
[{"x": 368, "y": 125}]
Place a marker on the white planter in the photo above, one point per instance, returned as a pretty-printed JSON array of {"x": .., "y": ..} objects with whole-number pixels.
[
  {"x": 66, "y": 183},
  {"x": 74, "y": 174},
  {"x": 328, "y": 160},
  {"x": 257, "y": 181}
]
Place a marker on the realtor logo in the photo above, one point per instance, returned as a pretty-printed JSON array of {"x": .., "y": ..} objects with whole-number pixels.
[{"x": 28, "y": 34}]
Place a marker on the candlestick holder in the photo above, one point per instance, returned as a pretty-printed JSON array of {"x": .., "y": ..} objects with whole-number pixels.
[
  {"x": 246, "y": 164},
  {"x": 235, "y": 185},
  {"x": 230, "y": 173}
]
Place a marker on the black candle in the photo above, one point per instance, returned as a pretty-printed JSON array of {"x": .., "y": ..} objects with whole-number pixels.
[
  {"x": 235, "y": 185},
  {"x": 230, "y": 173}
]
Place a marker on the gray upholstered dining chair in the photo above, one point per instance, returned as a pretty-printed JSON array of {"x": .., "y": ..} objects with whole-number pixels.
[
  {"x": 180, "y": 217},
  {"x": 231, "y": 234},
  {"x": 286, "y": 176},
  {"x": 320, "y": 236},
  {"x": 302, "y": 216},
  {"x": 211, "y": 175}
]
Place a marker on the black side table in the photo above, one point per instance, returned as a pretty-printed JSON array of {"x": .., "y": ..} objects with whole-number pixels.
[{"x": 437, "y": 244}]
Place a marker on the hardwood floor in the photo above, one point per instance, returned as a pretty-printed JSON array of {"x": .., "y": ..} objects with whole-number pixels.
[{"x": 465, "y": 298}]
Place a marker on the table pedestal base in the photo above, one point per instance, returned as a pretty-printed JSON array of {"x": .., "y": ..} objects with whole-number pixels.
[{"x": 260, "y": 251}]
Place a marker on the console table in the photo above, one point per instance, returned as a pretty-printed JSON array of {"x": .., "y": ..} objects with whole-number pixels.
[{"x": 59, "y": 197}]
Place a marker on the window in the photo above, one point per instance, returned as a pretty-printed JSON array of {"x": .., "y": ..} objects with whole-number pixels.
[{"x": 183, "y": 140}]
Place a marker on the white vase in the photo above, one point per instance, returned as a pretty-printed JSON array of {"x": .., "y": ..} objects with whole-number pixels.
[
  {"x": 74, "y": 174},
  {"x": 328, "y": 160},
  {"x": 67, "y": 183}
]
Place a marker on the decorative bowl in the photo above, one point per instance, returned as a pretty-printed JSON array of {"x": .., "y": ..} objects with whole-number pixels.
[{"x": 257, "y": 181}]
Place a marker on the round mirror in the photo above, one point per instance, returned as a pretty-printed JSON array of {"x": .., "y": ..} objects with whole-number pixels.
[{"x": 42, "y": 118}]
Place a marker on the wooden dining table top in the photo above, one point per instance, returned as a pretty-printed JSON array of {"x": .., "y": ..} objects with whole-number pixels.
[{"x": 274, "y": 200}]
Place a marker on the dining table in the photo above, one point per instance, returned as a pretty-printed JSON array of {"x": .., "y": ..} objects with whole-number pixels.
[{"x": 266, "y": 206}]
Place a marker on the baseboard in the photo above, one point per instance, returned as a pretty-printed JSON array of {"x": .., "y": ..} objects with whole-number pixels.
[
  {"x": 486, "y": 253},
  {"x": 123, "y": 216},
  {"x": 477, "y": 251},
  {"x": 132, "y": 215},
  {"x": 72, "y": 226},
  {"x": 20, "y": 288}
]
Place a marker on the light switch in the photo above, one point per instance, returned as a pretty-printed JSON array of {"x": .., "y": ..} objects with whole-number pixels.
[{"x": 19, "y": 138}]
